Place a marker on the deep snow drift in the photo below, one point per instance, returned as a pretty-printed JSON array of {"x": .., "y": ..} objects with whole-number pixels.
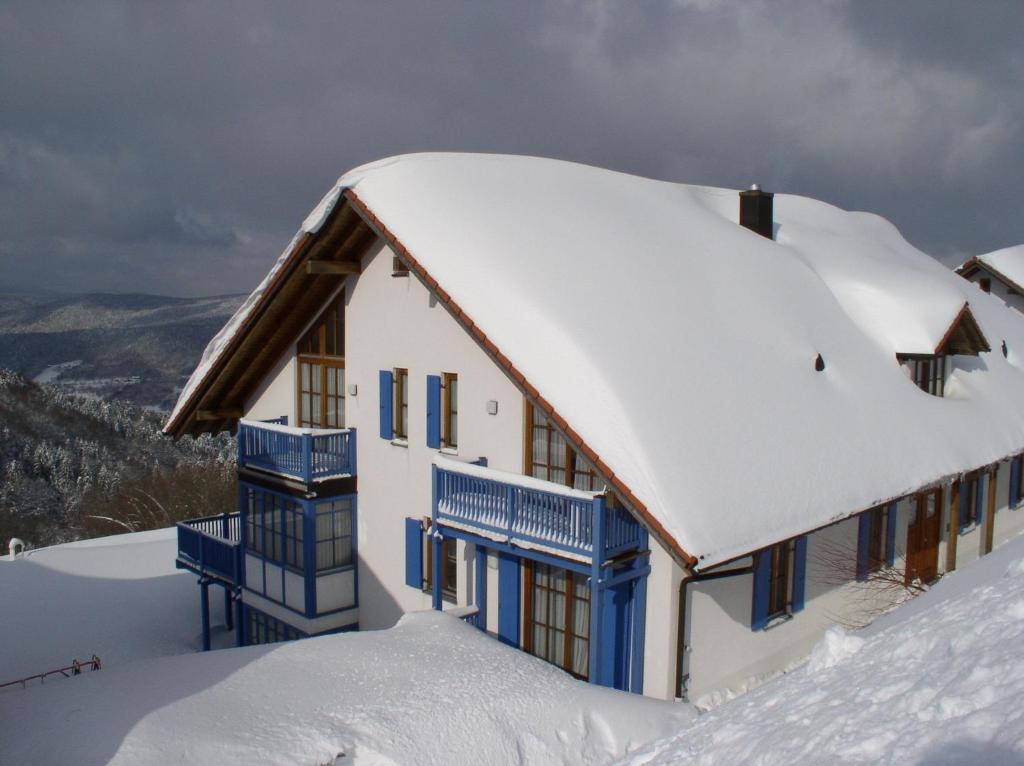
[
  {"x": 938, "y": 681},
  {"x": 431, "y": 690},
  {"x": 116, "y": 597}
]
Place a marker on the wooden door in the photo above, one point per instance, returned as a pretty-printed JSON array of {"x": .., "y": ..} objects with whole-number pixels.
[{"x": 923, "y": 537}]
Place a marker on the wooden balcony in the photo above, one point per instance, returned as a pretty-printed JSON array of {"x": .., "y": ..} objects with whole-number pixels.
[
  {"x": 531, "y": 513},
  {"x": 306, "y": 454},
  {"x": 210, "y": 547}
]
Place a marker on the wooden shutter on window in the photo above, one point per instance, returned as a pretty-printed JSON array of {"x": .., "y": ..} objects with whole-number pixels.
[
  {"x": 762, "y": 575},
  {"x": 386, "y": 413},
  {"x": 1014, "y": 481},
  {"x": 890, "y": 534},
  {"x": 414, "y": 553},
  {"x": 863, "y": 545},
  {"x": 799, "y": 573},
  {"x": 434, "y": 411}
]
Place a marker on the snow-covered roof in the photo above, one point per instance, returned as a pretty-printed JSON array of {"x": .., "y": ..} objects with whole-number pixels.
[
  {"x": 1007, "y": 264},
  {"x": 681, "y": 347}
]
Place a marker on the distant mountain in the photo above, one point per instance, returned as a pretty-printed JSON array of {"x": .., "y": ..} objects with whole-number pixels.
[{"x": 134, "y": 347}]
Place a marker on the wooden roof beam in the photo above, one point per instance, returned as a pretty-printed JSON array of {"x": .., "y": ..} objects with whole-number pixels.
[{"x": 333, "y": 267}]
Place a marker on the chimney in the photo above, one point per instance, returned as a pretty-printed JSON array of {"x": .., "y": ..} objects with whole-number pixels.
[{"x": 756, "y": 211}]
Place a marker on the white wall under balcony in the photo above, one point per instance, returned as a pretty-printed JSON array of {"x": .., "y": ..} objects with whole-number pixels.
[{"x": 335, "y": 591}]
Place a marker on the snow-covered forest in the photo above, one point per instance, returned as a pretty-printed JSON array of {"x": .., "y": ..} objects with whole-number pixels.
[{"x": 73, "y": 467}]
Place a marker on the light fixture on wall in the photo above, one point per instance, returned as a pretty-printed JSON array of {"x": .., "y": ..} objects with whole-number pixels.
[
  {"x": 353, "y": 389},
  {"x": 492, "y": 407}
]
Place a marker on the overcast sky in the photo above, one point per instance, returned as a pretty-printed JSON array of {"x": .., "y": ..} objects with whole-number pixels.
[{"x": 175, "y": 147}]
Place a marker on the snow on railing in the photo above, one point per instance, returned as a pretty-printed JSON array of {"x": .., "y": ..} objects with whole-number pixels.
[
  {"x": 525, "y": 509},
  {"x": 308, "y": 454}
]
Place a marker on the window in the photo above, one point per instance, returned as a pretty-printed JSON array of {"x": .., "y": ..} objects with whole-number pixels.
[
  {"x": 400, "y": 410},
  {"x": 398, "y": 268},
  {"x": 1016, "y": 481},
  {"x": 263, "y": 629},
  {"x": 449, "y": 568},
  {"x": 557, "y": 617},
  {"x": 449, "y": 410},
  {"x": 273, "y": 527},
  {"x": 779, "y": 579},
  {"x": 549, "y": 456},
  {"x": 333, "y": 534},
  {"x": 986, "y": 284},
  {"x": 927, "y": 372},
  {"x": 971, "y": 500},
  {"x": 876, "y": 540},
  {"x": 321, "y": 370}
]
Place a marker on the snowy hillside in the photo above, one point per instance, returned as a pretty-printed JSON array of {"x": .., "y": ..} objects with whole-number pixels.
[
  {"x": 431, "y": 690},
  {"x": 939, "y": 681}
]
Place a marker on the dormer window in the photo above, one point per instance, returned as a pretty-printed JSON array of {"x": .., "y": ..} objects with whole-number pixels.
[
  {"x": 963, "y": 338},
  {"x": 927, "y": 371}
]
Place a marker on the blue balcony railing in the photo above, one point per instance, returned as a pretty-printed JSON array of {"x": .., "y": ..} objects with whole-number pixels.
[
  {"x": 210, "y": 546},
  {"x": 532, "y": 512},
  {"x": 301, "y": 453}
]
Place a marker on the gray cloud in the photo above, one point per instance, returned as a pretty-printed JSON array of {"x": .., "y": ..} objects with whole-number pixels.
[{"x": 175, "y": 147}]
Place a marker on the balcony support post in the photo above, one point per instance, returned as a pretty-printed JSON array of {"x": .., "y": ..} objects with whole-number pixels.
[
  {"x": 204, "y": 605},
  {"x": 596, "y": 674},
  {"x": 229, "y": 617},
  {"x": 239, "y": 619},
  {"x": 480, "y": 586}
]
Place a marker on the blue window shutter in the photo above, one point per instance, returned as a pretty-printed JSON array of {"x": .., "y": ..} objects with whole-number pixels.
[
  {"x": 890, "y": 534},
  {"x": 963, "y": 503},
  {"x": 979, "y": 500},
  {"x": 413, "y": 553},
  {"x": 799, "y": 573},
  {"x": 759, "y": 605},
  {"x": 386, "y": 403},
  {"x": 508, "y": 599},
  {"x": 434, "y": 411},
  {"x": 863, "y": 544},
  {"x": 1014, "y": 480}
]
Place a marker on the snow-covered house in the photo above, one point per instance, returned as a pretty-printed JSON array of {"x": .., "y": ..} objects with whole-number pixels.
[
  {"x": 1000, "y": 273},
  {"x": 655, "y": 434}
]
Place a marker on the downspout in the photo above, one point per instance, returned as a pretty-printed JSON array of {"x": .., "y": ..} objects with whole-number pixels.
[{"x": 681, "y": 648}]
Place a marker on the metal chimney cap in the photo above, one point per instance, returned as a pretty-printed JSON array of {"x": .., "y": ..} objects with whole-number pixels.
[{"x": 755, "y": 187}]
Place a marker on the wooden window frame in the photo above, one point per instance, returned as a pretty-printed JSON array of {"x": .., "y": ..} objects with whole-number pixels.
[
  {"x": 567, "y": 627},
  {"x": 878, "y": 518},
  {"x": 400, "y": 403},
  {"x": 927, "y": 371},
  {"x": 449, "y": 558},
  {"x": 780, "y": 579},
  {"x": 449, "y": 410},
  {"x": 312, "y": 349},
  {"x": 574, "y": 466}
]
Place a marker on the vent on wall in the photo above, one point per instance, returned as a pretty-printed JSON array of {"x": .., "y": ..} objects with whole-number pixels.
[{"x": 756, "y": 211}]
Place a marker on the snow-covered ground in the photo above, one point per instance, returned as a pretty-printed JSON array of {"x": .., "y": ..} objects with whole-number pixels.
[
  {"x": 938, "y": 681},
  {"x": 119, "y": 598},
  {"x": 430, "y": 690}
]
